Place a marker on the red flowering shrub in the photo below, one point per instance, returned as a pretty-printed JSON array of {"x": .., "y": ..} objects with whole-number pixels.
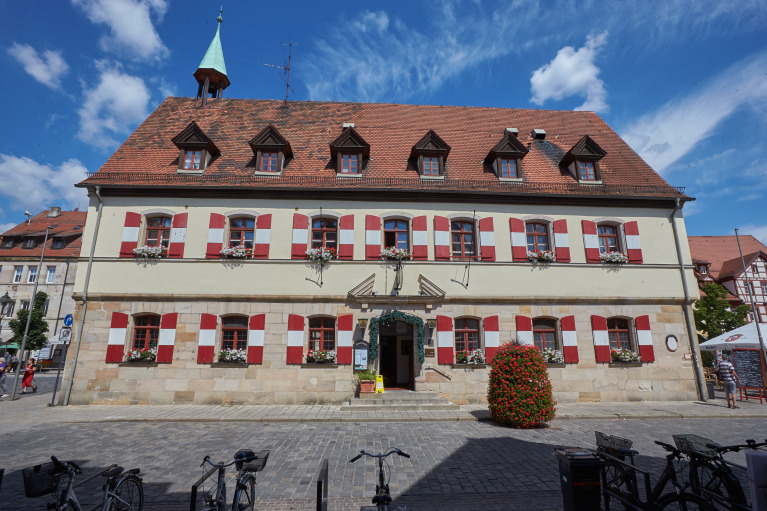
[{"x": 519, "y": 394}]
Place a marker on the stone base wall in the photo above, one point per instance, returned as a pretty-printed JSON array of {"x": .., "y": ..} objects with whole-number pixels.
[{"x": 669, "y": 377}]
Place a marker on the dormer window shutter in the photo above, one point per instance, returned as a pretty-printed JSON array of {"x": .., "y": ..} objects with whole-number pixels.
[
  {"x": 582, "y": 160},
  {"x": 196, "y": 149},
  {"x": 430, "y": 154},
  {"x": 350, "y": 152},
  {"x": 271, "y": 151}
]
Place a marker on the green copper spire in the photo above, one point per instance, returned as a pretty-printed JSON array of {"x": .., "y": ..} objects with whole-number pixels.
[{"x": 214, "y": 57}]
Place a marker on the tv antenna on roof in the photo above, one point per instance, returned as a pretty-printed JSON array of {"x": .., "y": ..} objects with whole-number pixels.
[{"x": 286, "y": 72}]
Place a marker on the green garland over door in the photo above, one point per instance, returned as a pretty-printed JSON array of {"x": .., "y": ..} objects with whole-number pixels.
[{"x": 389, "y": 318}]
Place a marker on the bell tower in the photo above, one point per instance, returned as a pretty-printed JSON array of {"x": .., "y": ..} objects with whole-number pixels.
[{"x": 211, "y": 74}]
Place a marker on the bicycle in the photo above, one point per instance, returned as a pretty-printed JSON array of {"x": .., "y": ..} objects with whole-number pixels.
[
  {"x": 247, "y": 464},
  {"x": 711, "y": 476},
  {"x": 382, "y": 496},
  {"x": 625, "y": 488},
  {"x": 616, "y": 475},
  {"x": 123, "y": 489}
]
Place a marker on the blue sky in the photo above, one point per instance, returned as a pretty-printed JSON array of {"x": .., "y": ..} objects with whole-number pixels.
[{"x": 684, "y": 82}]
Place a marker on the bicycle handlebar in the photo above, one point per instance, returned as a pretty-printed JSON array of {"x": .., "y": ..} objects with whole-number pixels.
[
  {"x": 66, "y": 465},
  {"x": 750, "y": 444},
  {"x": 379, "y": 455},
  {"x": 241, "y": 459},
  {"x": 668, "y": 447}
]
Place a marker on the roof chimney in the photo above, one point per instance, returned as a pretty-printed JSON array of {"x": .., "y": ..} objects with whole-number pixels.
[
  {"x": 513, "y": 132},
  {"x": 538, "y": 134},
  {"x": 54, "y": 212},
  {"x": 348, "y": 125}
]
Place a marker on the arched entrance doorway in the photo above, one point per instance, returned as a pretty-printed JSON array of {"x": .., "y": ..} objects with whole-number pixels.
[{"x": 396, "y": 339}]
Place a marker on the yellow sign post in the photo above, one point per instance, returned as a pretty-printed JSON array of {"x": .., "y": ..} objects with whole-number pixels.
[{"x": 379, "y": 384}]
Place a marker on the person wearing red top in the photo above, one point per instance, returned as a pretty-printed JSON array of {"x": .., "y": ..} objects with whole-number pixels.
[{"x": 29, "y": 373}]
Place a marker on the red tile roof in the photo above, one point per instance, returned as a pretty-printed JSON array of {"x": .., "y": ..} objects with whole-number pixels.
[
  {"x": 735, "y": 266},
  {"x": 719, "y": 250},
  {"x": 149, "y": 156},
  {"x": 66, "y": 224}
]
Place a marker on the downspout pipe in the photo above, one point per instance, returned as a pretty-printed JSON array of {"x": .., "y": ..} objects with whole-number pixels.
[
  {"x": 73, "y": 364},
  {"x": 692, "y": 333}
]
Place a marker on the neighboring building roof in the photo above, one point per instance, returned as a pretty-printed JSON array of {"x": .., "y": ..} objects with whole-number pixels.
[
  {"x": 66, "y": 222},
  {"x": 734, "y": 266},
  {"x": 721, "y": 249},
  {"x": 149, "y": 157}
]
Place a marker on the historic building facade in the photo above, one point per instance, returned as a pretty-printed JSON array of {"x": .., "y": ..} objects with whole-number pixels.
[{"x": 427, "y": 235}]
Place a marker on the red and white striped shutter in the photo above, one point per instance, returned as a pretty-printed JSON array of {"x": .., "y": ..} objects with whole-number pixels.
[
  {"x": 492, "y": 337},
  {"x": 206, "y": 344},
  {"x": 524, "y": 330},
  {"x": 346, "y": 237},
  {"x": 644, "y": 339},
  {"x": 442, "y": 239},
  {"x": 487, "y": 239},
  {"x": 256, "y": 327},
  {"x": 117, "y": 332},
  {"x": 569, "y": 340},
  {"x": 262, "y": 237},
  {"x": 215, "y": 236},
  {"x": 177, "y": 236},
  {"x": 300, "y": 236},
  {"x": 345, "y": 335},
  {"x": 633, "y": 246},
  {"x": 420, "y": 239},
  {"x": 167, "y": 337},
  {"x": 561, "y": 241},
  {"x": 130, "y": 234},
  {"x": 518, "y": 239},
  {"x": 601, "y": 340},
  {"x": 295, "y": 339},
  {"x": 590, "y": 241},
  {"x": 372, "y": 237},
  {"x": 445, "y": 341}
]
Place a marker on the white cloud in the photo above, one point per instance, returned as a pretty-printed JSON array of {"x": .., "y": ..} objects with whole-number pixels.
[
  {"x": 113, "y": 108},
  {"x": 35, "y": 186},
  {"x": 7, "y": 227},
  {"x": 666, "y": 135},
  {"x": 757, "y": 231},
  {"x": 46, "y": 68},
  {"x": 131, "y": 31},
  {"x": 572, "y": 73}
]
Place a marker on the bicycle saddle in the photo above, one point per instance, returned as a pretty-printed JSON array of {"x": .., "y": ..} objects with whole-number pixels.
[{"x": 112, "y": 471}]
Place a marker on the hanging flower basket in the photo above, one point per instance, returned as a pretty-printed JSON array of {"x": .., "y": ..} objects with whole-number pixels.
[
  {"x": 470, "y": 357},
  {"x": 320, "y": 357},
  {"x": 240, "y": 252},
  {"x": 147, "y": 252},
  {"x": 553, "y": 356},
  {"x": 139, "y": 355},
  {"x": 625, "y": 356},
  {"x": 541, "y": 256},
  {"x": 321, "y": 255},
  {"x": 613, "y": 257},
  {"x": 395, "y": 254},
  {"x": 232, "y": 356}
]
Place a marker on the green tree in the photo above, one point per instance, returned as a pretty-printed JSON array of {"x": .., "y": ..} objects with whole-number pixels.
[
  {"x": 38, "y": 328},
  {"x": 714, "y": 315}
]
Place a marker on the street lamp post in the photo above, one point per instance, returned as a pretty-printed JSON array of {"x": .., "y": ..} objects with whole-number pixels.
[{"x": 29, "y": 314}]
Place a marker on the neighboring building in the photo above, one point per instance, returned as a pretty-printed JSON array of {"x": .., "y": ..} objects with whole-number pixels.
[
  {"x": 469, "y": 191},
  {"x": 20, "y": 250},
  {"x": 717, "y": 259}
]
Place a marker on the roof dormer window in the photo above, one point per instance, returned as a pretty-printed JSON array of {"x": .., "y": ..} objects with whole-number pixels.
[
  {"x": 196, "y": 149},
  {"x": 430, "y": 154},
  {"x": 350, "y": 152},
  {"x": 505, "y": 158},
  {"x": 582, "y": 161},
  {"x": 271, "y": 150},
  {"x": 29, "y": 243}
]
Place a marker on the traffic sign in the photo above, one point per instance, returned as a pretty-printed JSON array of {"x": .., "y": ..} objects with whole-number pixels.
[
  {"x": 65, "y": 334},
  {"x": 68, "y": 320}
]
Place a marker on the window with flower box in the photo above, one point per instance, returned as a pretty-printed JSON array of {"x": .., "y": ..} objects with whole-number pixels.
[
  {"x": 325, "y": 233},
  {"x": 537, "y": 237},
  {"x": 609, "y": 241},
  {"x": 545, "y": 334},
  {"x": 234, "y": 333},
  {"x": 241, "y": 232},
  {"x": 466, "y": 334},
  {"x": 619, "y": 333},
  {"x": 463, "y": 240},
  {"x": 158, "y": 231},
  {"x": 322, "y": 334},
  {"x": 396, "y": 234},
  {"x": 146, "y": 332}
]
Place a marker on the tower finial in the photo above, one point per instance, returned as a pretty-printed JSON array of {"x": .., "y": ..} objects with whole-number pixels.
[
  {"x": 211, "y": 73},
  {"x": 220, "y": 11}
]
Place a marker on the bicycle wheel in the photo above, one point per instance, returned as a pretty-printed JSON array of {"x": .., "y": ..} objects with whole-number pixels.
[
  {"x": 683, "y": 502},
  {"x": 128, "y": 494},
  {"x": 720, "y": 485},
  {"x": 619, "y": 481},
  {"x": 245, "y": 494}
]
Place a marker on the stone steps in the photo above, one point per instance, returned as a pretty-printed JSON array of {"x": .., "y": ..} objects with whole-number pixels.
[{"x": 399, "y": 400}]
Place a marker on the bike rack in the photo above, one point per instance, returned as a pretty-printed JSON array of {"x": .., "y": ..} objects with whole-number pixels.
[
  {"x": 322, "y": 487},
  {"x": 193, "y": 503},
  {"x": 645, "y": 475}
]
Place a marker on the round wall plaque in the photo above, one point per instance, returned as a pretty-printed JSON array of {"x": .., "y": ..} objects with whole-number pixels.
[{"x": 672, "y": 342}]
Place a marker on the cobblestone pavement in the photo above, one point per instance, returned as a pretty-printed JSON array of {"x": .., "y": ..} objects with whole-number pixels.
[{"x": 455, "y": 464}]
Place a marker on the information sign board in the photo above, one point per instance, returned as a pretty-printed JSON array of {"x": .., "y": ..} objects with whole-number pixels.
[
  {"x": 360, "y": 356},
  {"x": 45, "y": 353}
]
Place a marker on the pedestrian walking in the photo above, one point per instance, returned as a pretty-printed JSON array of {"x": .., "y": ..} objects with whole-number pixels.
[
  {"x": 3, "y": 376},
  {"x": 727, "y": 374},
  {"x": 29, "y": 373}
]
